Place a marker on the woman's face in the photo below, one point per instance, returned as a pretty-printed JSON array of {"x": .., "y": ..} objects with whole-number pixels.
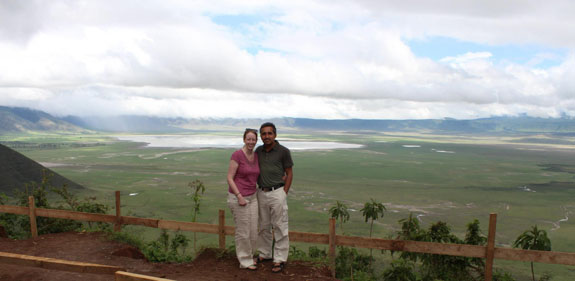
[{"x": 250, "y": 140}]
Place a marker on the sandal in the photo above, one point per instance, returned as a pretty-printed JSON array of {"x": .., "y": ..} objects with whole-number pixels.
[
  {"x": 252, "y": 267},
  {"x": 278, "y": 267}
]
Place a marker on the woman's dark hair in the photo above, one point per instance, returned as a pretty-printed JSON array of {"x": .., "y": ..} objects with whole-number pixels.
[
  {"x": 269, "y": 124},
  {"x": 248, "y": 130}
]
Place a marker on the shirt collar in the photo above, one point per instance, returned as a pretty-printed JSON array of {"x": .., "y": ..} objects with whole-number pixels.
[{"x": 273, "y": 147}]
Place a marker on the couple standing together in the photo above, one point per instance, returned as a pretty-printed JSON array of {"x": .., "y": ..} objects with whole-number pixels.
[{"x": 259, "y": 182}]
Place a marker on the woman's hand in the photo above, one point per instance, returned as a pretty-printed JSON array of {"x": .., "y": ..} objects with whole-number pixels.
[{"x": 241, "y": 200}]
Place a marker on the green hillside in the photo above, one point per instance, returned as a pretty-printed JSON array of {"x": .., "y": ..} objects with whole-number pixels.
[{"x": 18, "y": 119}]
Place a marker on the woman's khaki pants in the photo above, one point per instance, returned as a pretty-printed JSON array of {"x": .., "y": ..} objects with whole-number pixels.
[{"x": 246, "y": 220}]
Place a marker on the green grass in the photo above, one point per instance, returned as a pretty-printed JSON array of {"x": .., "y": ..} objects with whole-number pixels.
[{"x": 483, "y": 175}]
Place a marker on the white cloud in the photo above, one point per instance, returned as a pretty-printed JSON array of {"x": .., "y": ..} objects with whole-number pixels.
[
  {"x": 491, "y": 21},
  {"x": 319, "y": 59}
]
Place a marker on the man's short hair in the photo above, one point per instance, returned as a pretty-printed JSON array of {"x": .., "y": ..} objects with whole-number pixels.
[{"x": 269, "y": 124}]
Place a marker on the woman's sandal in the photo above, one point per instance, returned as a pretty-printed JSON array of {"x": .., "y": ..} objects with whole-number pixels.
[{"x": 278, "y": 267}]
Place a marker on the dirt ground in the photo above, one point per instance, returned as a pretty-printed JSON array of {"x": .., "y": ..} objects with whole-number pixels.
[{"x": 94, "y": 248}]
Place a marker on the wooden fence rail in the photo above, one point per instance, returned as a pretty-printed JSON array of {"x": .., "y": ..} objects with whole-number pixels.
[
  {"x": 126, "y": 276},
  {"x": 488, "y": 252},
  {"x": 57, "y": 264},
  {"x": 73, "y": 266}
]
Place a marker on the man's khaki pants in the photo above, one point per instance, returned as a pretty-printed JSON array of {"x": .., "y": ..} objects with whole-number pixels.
[
  {"x": 246, "y": 220},
  {"x": 273, "y": 216}
]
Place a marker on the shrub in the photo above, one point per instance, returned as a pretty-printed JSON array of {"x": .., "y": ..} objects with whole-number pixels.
[
  {"x": 167, "y": 249},
  {"x": 349, "y": 263},
  {"x": 18, "y": 226}
]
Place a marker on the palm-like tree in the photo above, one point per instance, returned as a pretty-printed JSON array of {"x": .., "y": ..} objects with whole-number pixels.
[
  {"x": 339, "y": 211},
  {"x": 372, "y": 211},
  {"x": 533, "y": 239}
]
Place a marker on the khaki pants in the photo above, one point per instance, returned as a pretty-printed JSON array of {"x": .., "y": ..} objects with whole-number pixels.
[
  {"x": 273, "y": 216},
  {"x": 246, "y": 220}
]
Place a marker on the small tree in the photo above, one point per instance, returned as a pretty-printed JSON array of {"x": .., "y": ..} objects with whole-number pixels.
[
  {"x": 444, "y": 267},
  {"x": 372, "y": 211},
  {"x": 410, "y": 230},
  {"x": 474, "y": 237},
  {"x": 533, "y": 239},
  {"x": 198, "y": 190},
  {"x": 339, "y": 211}
]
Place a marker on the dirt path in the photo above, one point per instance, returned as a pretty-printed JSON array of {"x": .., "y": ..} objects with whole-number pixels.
[{"x": 94, "y": 248}]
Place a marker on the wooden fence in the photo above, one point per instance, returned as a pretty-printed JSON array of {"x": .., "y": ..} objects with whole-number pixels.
[{"x": 488, "y": 252}]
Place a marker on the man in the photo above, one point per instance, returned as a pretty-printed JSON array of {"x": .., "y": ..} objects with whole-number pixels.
[{"x": 273, "y": 185}]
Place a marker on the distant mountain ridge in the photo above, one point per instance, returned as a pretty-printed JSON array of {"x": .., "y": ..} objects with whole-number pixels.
[
  {"x": 23, "y": 119},
  {"x": 494, "y": 125},
  {"x": 522, "y": 124},
  {"x": 17, "y": 170}
]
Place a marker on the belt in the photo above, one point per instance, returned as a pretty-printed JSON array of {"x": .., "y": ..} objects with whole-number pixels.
[{"x": 271, "y": 188}]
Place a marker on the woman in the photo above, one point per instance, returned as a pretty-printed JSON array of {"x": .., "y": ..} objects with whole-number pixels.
[{"x": 242, "y": 198}]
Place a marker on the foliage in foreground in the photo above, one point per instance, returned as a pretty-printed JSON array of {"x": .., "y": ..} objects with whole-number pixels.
[
  {"x": 167, "y": 248},
  {"x": 350, "y": 264},
  {"x": 18, "y": 226},
  {"x": 442, "y": 267}
]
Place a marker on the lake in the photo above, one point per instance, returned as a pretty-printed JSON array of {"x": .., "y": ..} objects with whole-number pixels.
[{"x": 205, "y": 141}]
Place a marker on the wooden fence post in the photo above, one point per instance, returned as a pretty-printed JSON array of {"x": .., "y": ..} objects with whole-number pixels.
[
  {"x": 221, "y": 229},
  {"x": 490, "y": 250},
  {"x": 332, "y": 246},
  {"x": 118, "y": 224},
  {"x": 32, "y": 215}
]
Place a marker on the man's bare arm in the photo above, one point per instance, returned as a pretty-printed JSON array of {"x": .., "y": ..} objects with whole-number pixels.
[{"x": 288, "y": 179}]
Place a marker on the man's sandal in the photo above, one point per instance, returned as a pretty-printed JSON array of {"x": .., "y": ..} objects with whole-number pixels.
[
  {"x": 278, "y": 267},
  {"x": 252, "y": 267}
]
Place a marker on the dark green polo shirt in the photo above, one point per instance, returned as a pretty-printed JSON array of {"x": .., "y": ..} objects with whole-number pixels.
[{"x": 273, "y": 164}]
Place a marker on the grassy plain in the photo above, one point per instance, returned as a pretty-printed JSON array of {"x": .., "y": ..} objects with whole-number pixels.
[{"x": 525, "y": 180}]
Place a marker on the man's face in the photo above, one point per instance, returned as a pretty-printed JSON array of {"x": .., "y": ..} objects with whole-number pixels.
[{"x": 267, "y": 135}]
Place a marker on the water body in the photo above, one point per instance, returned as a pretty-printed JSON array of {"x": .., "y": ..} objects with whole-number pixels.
[
  {"x": 442, "y": 151},
  {"x": 192, "y": 141},
  {"x": 411, "y": 146}
]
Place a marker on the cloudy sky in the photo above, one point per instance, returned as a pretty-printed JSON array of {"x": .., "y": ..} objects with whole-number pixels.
[{"x": 377, "y": 59}]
